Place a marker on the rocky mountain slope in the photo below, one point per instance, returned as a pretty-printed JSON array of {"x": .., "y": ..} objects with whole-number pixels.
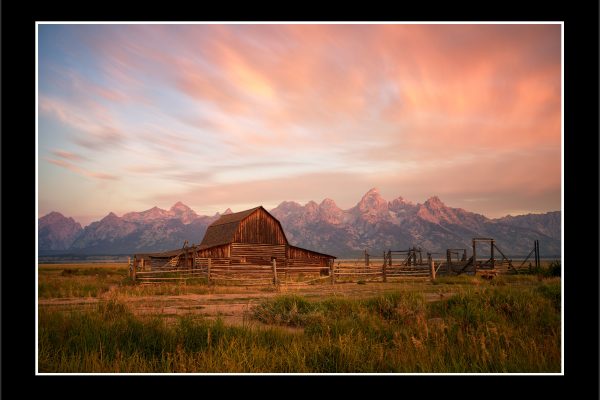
[
  {"x": 57, "y": 232},
  {"x": 373, "y": 223}
]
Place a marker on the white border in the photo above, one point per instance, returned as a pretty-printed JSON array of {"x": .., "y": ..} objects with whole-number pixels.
[
  {"x": 37, "y": 209},
  {"x": 301, "y": 22},
  {"x": 562, "y": 196},
  {"x": 561, "y": 23}
]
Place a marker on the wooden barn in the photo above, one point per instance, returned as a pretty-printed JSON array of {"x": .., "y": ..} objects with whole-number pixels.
[{"x": 251, "y": 237}]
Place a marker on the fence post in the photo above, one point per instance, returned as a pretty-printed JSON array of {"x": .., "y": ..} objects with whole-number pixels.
[
  {"x": 208, "y": 271},
  {"x": 432, "y": 268},
  {"x": 384, "y": 269},
  {"x": 474, "y": 259},
  {"x": 133, "y": 272},
  {"x": 274, "y": 271},
  {"x": 332, "y": 271},
  {"x": 492, "y": 253}
]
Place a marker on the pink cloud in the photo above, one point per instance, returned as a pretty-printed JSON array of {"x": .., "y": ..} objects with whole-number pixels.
[
  {"x": 329, "y": 75},
  {"x": 473, "y": 107},
  {"x": 82, "y": 171},
  {"x": 68, "y": 155},
  {"x": 96, "y": 128}
]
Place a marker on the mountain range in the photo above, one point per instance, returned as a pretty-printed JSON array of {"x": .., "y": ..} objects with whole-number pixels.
[{"x": 373, "y": 223}]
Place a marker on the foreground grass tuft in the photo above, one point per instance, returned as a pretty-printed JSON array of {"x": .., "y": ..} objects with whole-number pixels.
[{"x": 480, "y": 329}]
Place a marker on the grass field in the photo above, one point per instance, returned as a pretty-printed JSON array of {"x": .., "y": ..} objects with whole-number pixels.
[{"x": 93, "y": 319}]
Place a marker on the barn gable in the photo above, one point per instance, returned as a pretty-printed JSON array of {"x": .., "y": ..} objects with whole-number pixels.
[{"x": 256, "y": 225}]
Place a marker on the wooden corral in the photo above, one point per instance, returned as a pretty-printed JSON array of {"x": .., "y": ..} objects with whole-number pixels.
[
  {"x": 405, "y": 258},
  {"x": 236, "y": 242},
  {"x": 496, "y": 263}
]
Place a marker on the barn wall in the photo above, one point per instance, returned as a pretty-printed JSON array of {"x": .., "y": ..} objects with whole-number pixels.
[
  {"x": 259, "y": 227},
  {"x": 302, "y": 257},
  {"x": 214, "y": 252},
  {"x": 256, "y": 253},
  {"x": 307, "y": 262},
  {"x": 296, "y": 252}
]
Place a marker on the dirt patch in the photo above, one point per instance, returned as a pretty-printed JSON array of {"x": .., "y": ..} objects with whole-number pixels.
[{"x": 235, "y": 307}]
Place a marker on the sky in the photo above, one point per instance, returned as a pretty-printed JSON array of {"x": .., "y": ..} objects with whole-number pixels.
[{"x": 239, "y": 115}]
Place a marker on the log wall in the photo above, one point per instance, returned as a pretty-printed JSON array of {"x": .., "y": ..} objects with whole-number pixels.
[
  {"x": 214, "y": 252},
  {"x": 242, "y": 253},
  {"x": 260, "y": 228}
]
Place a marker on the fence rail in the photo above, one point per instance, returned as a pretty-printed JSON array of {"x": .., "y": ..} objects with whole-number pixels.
[
  {"x": 344, "y": 273},
  {"x": 294, "y": 272}
]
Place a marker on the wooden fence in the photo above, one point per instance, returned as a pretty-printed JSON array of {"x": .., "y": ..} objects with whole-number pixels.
[
  {"x": 220, "y": 271},
  {"x": 382, "y": 272}
]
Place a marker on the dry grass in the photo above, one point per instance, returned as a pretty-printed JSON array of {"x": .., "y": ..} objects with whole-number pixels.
[
  {"x": 454, "y": 324},
  {"x": 488, "y": 329},
  {"x": 79, "y": 280}
]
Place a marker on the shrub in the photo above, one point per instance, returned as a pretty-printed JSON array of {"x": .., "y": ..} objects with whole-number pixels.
[{"x": 554, "y": 269}]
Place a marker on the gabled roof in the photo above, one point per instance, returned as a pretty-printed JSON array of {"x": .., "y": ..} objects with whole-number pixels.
[
  {"x": 162, "y": 254},
  {"x": 222, "y": 230},
  {"x": 234, "y": 217}
]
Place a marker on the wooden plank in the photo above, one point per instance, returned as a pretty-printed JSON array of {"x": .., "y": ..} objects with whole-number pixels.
[
  {"x": 167, "y": 271},
  {"x": 242, "y": 268},
  {"x": 177, "y": 276},
  {"x": 219, "y": 278},
  {"x": 208, "y": 270},
  {"x": 274, "y": 271},
  {"x": 195, "y": 273},
  {"x": 161, "y": 279},
  {"x": 410, "y": 274},
  {"x": 260, "y": 227},
  {"x": 356, "y": 273},
  {"x": 307, "y": 269}
]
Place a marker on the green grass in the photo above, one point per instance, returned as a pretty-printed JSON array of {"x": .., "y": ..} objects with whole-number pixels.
[
  {"x": 483, "y": 328},
  {"x": 551, "y": 269},
  {"x": 195, "y": 286},
  {"x": 79, "y": 280},
  {"x": 93, "y": 280}
]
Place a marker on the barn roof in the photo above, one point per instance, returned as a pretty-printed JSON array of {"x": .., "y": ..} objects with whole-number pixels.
[
  {"x": 222, "y": 230},
  {"x": 234, "y": 217},
  {"x": 315, "y": 252},
  {"x": 162, "y": 254}
]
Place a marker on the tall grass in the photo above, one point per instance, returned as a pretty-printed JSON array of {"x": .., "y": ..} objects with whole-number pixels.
[
  {"x": 484, "y": 329},
  {"x": 74, "y": 283}
]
